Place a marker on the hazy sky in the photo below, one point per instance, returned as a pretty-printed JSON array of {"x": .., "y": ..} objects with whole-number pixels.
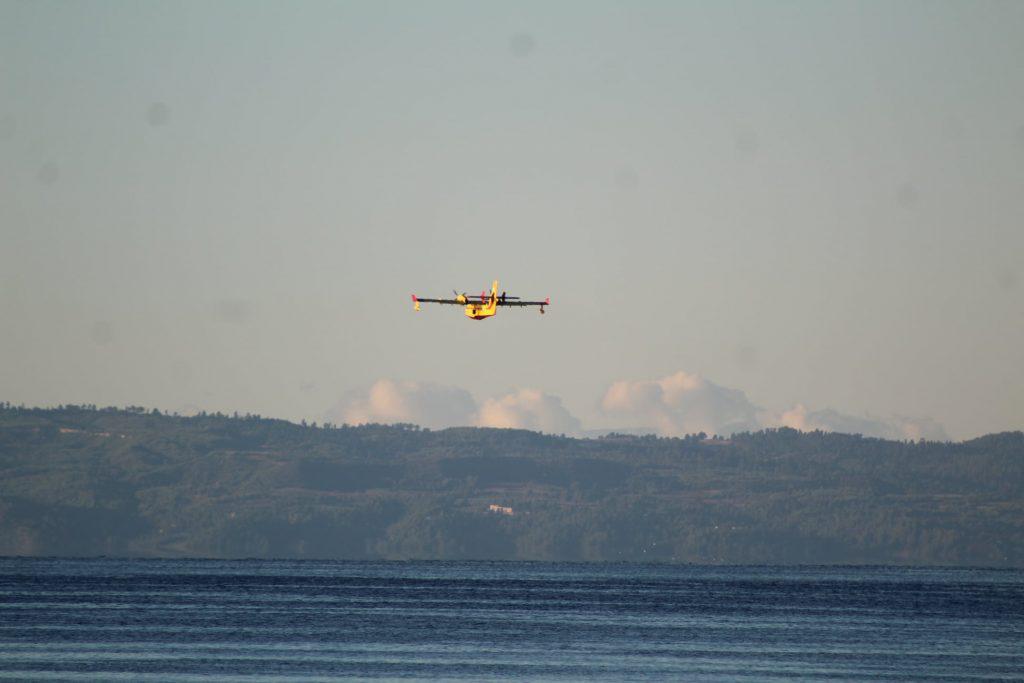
[{"x": 226, "y": 205}]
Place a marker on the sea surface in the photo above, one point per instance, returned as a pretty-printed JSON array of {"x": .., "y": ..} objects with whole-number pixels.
[{"x": 254, "y": 620}]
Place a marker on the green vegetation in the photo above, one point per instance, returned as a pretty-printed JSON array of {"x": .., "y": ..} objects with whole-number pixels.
[{"x": 77, "y": 481}]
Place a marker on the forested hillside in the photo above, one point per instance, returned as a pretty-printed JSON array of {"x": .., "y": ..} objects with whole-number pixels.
[{"x": 77, "y": 481}]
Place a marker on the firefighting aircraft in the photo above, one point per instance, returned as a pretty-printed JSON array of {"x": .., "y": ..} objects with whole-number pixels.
[{"x": 486, "y": 307}]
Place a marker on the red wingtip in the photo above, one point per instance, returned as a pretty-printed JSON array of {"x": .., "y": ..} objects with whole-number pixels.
[
  {"x": 548, "y": 301},
  {"x": 414, "y": 298}
]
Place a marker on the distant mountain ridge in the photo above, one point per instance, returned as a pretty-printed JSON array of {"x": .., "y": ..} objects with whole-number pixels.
[{"x": 81, "y": 481}]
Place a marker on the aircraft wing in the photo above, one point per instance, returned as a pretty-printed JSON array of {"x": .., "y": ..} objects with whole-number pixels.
[
  {"x": 524, "y": 303},
  {"x": 442, "y": 301}
]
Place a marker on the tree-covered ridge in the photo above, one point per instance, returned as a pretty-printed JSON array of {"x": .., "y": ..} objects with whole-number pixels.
[{"x": 77, "y": 480}]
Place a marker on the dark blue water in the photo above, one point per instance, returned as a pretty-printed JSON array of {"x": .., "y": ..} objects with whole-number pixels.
[{"x": 250, "y": 620}]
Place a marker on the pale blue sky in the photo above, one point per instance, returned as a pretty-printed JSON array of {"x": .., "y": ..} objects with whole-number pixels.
[{"x": 226, "y": 205}]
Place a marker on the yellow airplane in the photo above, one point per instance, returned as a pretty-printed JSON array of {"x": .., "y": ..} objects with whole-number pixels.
[{"x": 486, "y": 307}]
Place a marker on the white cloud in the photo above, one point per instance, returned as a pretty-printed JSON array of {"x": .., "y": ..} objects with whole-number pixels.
[
  {"x": 438, "y": 406},
  {"x": 423, "y": 403},
  {"x": 921, "y": 428},
  {"x": 685, "y": 403},
  {"x": 829, "y": 420},
  {"x": 680, "y": 404},
  {"x": 528, "y": 409},
  {"x": 675, "y": 405}
]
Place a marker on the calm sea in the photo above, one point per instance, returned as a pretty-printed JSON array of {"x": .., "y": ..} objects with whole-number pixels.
[{"x": 205, "y": 620}]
